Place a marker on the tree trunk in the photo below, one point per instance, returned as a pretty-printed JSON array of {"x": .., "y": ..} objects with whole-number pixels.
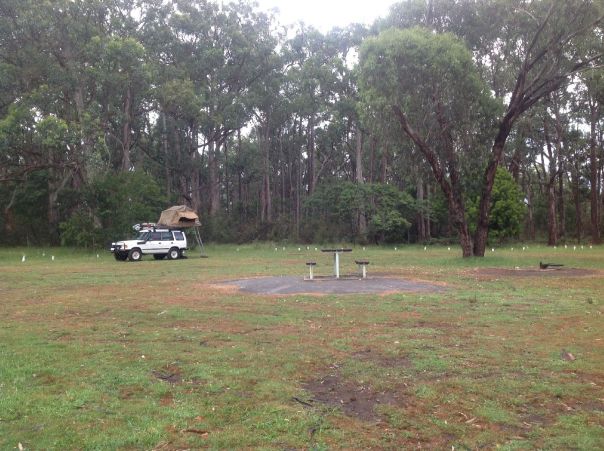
[
  {"x": 9, "y": 215},
  {"x": 298, "y": 209},
  {"x": 561, "y": 207},
  {"x": 459, "y": 221},
  {"x": 577, "y": 202},
  {"x": 126, "y": 163},
  {"x": 593, "y": 175},
  {"x": 530, "y": 211},
  {"x": 517, "y": 160},
  {"x": 451, "y": 190},
  {"x": 362, "y": 218},
  {"x": 194, "y": 170},
  {"x": 372, "y": 146},
  {"x": 421, "y": 222},
  {"x": 265, "y": 192},
  {"x": 552, "y": 228},
  {"x": 164, "y": 137},
  {"x": 560, "y": 148},
  {"x": 428, "y": 226},
  {"x": 83, "y": 149},
  {"x": 53, "y": 214},
  {"x": 312, "y": 158},
  {"x": 384, "y": 166},
  {"x": 488, "y": 179},
  {"x": 239, "y": 198},
  {"x": 214, "y": 181},
  {"x": 57, "y": 181}
]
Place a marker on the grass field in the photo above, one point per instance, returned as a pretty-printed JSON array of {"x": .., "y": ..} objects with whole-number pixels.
[{"x": 99, "y": 354}]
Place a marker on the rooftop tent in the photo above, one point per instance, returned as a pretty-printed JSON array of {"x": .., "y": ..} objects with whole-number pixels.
[
  {"x": 178, "y": 216},
  {"x": 181, "y": 216}
]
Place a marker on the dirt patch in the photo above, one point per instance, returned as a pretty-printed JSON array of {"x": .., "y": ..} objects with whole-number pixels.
[
  {"x": 167, "y": 400},
  {"x": 130, "y": 391},
  {"x": 367, "y": 355},
  {"x": 355, "y": 400},
  {"x": 170, "y": 374},
  {"x": 494, "y": 273},
  {"x": 297, "y": 285}
]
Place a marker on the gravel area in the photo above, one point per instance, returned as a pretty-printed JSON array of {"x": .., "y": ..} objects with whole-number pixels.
[{"x": 293, "y": 284}]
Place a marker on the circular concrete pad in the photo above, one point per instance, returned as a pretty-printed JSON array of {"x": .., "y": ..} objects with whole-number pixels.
[{"x": 293, "y": 285}]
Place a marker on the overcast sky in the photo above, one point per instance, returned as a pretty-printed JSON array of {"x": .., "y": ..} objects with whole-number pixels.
[{"x": 327, "y": 14}]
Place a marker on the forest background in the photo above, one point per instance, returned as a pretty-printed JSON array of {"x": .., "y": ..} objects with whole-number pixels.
[{"x": 446, "y": 121}]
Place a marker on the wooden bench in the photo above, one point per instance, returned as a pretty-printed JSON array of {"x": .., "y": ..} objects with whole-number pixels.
[
  {"x": 311, "y": 265},
  {"x": 362, "y": 267}
]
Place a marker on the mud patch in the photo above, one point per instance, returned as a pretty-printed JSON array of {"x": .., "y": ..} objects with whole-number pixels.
[
  {"x": 355, "y": 400},
  {"x": 297, "y": 285},
  {"x": 170, "y": 374}
]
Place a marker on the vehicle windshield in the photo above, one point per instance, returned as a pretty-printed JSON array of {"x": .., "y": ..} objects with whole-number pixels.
[{"x": 142, "y": 236}]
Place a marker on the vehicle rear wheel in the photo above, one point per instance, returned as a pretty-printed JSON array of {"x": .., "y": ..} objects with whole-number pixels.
[
  {"x": 174, "y": 253},
  {"x": 159, "y": 256},
  {"x": 135, "y": 255}
]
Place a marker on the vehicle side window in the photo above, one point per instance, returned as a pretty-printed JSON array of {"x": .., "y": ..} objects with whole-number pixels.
[
  {"x": 179, "y": 236},
  {"x": 155, "y": 236},
  {"x": 166, "y": 236}
]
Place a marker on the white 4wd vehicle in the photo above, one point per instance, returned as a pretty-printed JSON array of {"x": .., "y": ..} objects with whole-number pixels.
[{"x": 159, "y": 242}]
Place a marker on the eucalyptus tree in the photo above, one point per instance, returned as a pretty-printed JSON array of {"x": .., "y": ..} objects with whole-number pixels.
[
  {"x": 314, "y": 69},
  {"x": 208, "y": 60},
  {"x": 526, "y": 51},
  {"x": 427, "y": 83},
  {"x": 550, "y": 53},
  {"x": 46, "y": 48},
  {"x": 270, "y": 111},
  {"x": 124, "y": 82},
  {"x": 593, "y": 96}
]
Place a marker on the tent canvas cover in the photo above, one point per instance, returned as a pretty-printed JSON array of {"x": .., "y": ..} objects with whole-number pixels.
[{"x": 179, "y": 216}]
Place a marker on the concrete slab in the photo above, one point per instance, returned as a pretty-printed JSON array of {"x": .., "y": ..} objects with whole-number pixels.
[{"x": 297, "y": 285}]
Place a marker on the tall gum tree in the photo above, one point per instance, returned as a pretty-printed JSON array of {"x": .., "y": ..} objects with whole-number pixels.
[
  {"x": 525, "y": 50},
  {"x": 428, "y": 84},
  {"x": 550, "y": 52}
]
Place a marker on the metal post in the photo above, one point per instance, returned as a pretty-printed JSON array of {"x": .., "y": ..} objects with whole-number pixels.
[
  {"x": 311, "y": 275},
  {"x": 337, "y": 264}
]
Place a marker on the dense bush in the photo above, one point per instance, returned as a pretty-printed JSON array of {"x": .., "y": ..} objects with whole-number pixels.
[
  {"x": 112, "y": 204},
  {"x": 507, "y": 208}
]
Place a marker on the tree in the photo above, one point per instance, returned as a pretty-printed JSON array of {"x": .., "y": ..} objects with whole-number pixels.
[
  {"x": 550, "y": 55},
  {"x": 541, "y": 49},
  {"x": 594, "y": 96},
  {"x": 426, "y": 81}
]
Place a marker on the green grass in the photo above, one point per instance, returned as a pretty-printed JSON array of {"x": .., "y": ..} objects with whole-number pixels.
[{"x": 99, "y": 354}]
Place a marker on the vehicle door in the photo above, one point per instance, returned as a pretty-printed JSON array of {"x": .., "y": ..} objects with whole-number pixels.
[
  {"x": 180, "y": 239},
  {"x": 154, "y": 244},
  {"x": 167, "y": 240}
]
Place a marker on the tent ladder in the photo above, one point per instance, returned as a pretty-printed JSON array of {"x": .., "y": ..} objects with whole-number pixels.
[{"x": 200, "y": 242}]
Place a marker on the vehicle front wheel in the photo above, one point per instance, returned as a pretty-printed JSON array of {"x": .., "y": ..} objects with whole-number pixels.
[
  {"x": 120, "y": 257},
  {"x": 135, "y": 255},
  {"x": 174, "y": 253}
]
